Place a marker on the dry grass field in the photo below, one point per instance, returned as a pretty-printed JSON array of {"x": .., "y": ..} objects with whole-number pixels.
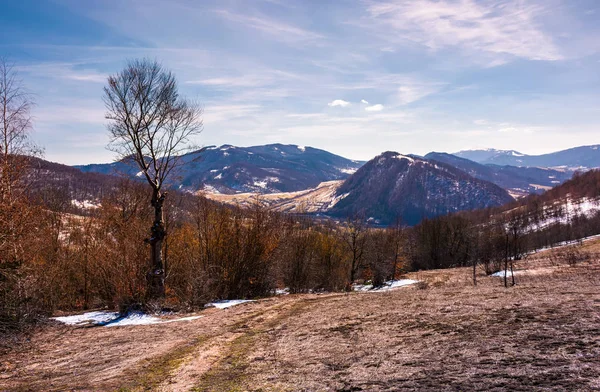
[{"x": 443, "y": 334}]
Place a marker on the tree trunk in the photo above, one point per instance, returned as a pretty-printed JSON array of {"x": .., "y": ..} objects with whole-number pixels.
[
  {"x": 506, "y": 263},
  {"x": 156, "y": 276}
]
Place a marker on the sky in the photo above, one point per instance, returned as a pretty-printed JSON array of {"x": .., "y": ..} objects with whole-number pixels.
[{"x": 354, "y": 77}]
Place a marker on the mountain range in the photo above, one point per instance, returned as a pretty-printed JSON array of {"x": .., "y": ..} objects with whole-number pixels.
[
  {"x": 299, "y": 179},
  {"x": 261, "y": 169},
  {"x": 519, "y": 181},
  {"x": 584, "y": 157}
]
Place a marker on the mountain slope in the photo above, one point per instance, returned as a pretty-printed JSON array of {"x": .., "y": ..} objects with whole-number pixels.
[
  {"x": 584, "y": 157},
  {"x": 393, "y": 185},
  {"x": 519, "y": 181},
  {"x": 264, "y": 169}
]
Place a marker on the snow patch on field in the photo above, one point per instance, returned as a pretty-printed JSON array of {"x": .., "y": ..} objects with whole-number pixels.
[
  {"x": 227, "y": 303},
  {"x": 500, "y": 274},
  {"x": 88, "y": 318},
  {"x": 387, "y": 286},
  {"x": 85, "y": 204},
  {"x": 112, "y": 319}
]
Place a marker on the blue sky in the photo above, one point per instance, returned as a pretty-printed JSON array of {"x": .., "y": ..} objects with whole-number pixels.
[{"x": 352, "y": 77}]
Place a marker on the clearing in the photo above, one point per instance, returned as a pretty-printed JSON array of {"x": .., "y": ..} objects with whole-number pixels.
[{"x": 443, "y": 334}]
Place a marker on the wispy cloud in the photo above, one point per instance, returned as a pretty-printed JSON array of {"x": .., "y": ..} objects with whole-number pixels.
[
  {"x": 275, "y": 29},
  {"x": 504, "y": 28},
  {"x": 66, "y": 71}
]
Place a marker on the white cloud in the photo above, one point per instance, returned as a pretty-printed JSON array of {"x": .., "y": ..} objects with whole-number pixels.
[
  {"x": 364, "y": 101},
  {"x": 339, "y": 102},
  {"x": 375, "y": 108},
  {"x": 505, "y": 29}
]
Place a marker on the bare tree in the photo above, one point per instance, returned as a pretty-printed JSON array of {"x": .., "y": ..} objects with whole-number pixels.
[
  {"x": 15, "y": 150},
  {"x": 16, "y": 213},
  {"x": 151, "y": 125},
  {"x": 354, "y": 236}
]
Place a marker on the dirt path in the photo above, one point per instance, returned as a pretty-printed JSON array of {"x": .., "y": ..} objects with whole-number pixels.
[
  {"x": 218, "y": 363},
  {"x": 164, "y": 357}
]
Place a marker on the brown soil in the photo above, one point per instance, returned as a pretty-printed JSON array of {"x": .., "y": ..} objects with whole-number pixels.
[{"x": 542, "y": 334}]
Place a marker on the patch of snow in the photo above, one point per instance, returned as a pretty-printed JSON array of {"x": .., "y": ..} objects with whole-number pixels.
[
  {"x": 227, "y": 303},
  {"x": 112, "y": 319},
  {"x": 134, "y": 318},
  {"x": 284, "y": 291},
  {"x": 261, "y": 184},
  {"x": 219, "y": 176},
  {"x": 387, "y": 286},
  {"x": 400, "y": 156},
  {"x": 302, "y": 148},
  {"x": 88, "y": 318},
  {"x": 85, "y": 204},
  {"x": 500, "y": 274},
  {"x": 564, "y": 211},
  {"x": 139, "y": 174},
  {"x": 348, "y": 170},
  {"x": 337, "y": 199}
]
